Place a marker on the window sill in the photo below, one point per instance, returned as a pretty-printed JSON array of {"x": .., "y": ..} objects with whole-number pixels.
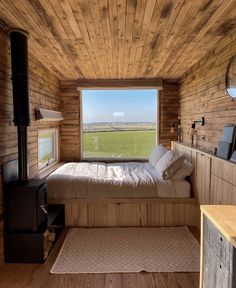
[{"x": 43, "y": 173}]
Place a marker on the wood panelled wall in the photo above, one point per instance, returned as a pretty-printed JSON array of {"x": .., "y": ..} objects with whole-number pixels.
[
  {"x": 202, "y": 93},
  {"x": 70, "y": 130},
  {"x": 44, "y": 92},
  {"x": 168, "y": 112}
]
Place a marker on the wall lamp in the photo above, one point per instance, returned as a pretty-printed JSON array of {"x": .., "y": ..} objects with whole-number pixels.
[{"x": 200, "y": 122}]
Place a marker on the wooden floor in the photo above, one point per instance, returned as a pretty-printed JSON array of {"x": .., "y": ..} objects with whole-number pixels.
[{"x": 38, "y": 276}]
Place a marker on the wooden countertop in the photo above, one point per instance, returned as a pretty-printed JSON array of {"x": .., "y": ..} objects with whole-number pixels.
[
  {"x": 206, "y": 152},
  {"x": 224, "y": 218}
]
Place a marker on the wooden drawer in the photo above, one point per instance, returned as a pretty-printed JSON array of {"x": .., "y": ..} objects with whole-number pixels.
[
  {"x": 222, "y": 192},
  {"x": 224, "y": 170},
  {"x": 219, "y": 244}
]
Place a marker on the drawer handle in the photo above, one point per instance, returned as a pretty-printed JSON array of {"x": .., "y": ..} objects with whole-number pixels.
[{"x": 221, "y": 239}]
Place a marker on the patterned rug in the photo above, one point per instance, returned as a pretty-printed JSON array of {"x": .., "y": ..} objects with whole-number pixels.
[{"x": 113, "y": 250}]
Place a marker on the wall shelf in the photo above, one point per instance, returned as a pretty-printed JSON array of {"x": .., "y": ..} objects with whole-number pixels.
[{"x": 47, "y": 115}]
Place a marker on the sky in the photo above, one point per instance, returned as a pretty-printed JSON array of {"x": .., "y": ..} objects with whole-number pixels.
[{"x": 119, "y": 105}]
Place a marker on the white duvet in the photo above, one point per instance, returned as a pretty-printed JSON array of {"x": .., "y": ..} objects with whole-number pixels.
[{"x": 113, "y": 180}]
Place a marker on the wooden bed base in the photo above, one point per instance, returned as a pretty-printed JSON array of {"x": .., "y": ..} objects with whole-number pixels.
[{"x": 138, "y": 212}]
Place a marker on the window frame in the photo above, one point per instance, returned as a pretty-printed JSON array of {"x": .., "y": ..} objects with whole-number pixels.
[
  {"x": 55, "y": 160},
  {"x": 109, "y": 159}
]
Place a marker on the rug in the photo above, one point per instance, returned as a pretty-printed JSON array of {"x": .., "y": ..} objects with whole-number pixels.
[{"x": 123, "y": 250}]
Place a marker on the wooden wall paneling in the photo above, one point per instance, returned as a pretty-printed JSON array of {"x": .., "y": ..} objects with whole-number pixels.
[
  {"x": 44, "y": 91},
  {"x": 155, "y": 83},
  {"x": 70, "y": 128},
  {"x": 168, "y": 112},
  {"x": 203, "y": 93}
]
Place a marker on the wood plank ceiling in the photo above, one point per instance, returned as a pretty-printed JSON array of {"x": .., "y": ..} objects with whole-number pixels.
[{"x": 123, "y": 39}]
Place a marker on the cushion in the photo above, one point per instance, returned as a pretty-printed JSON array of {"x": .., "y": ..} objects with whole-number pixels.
[
  {"x": 169, "y": 163},
  {"x": 156, "y": 154},
  {"x": 185, "y": 170}
]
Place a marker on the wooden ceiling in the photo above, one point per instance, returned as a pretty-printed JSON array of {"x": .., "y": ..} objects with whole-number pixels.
[{"x": 124, "y": 39}]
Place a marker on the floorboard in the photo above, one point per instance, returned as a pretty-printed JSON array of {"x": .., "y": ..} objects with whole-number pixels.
[{"x": 38, "y": 276}]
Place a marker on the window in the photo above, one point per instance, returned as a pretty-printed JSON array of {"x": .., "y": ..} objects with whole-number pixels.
[
  {"x": 47, "y": 147},
  {"x": 119, "y": 123}
]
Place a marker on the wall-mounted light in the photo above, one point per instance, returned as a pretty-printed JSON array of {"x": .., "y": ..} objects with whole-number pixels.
[
  {"x": 193, "y": 130},
  {"x": 198, "y": 122}
]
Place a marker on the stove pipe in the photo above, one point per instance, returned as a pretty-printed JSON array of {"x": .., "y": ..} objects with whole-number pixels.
[{"x": 19, "y": 64}]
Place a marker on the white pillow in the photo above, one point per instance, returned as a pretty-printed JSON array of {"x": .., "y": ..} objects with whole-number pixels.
[
  {"x": 156, "y": 154},
  {"x": 169, "y": 163},
  {"x": 185, "y": 170}
]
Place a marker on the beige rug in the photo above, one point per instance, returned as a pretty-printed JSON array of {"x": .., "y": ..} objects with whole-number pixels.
[{"x": 113, "y": 250}]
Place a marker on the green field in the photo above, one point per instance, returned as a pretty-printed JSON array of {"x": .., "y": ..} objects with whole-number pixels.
[{"x": 119, "y": 144}]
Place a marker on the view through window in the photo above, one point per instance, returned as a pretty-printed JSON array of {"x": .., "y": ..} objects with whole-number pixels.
[
  {"x": 119, "y": 123},
  {"x": 47, "y": 147}
]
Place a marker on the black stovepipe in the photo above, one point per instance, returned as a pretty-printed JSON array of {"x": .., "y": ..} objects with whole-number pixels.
[{"x": 22, "y": 153}]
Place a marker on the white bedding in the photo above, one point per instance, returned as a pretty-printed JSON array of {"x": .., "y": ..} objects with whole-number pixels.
[{"x": 114, "y": 180}]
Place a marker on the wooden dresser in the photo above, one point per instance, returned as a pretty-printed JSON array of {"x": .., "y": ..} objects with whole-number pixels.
[{"x": 218, "y": 246}]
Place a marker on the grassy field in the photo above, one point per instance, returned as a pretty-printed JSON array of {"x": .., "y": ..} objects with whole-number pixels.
[
  {"x": 120, "y": 144},
  {"x": 111, "y": 126},
  {"x": 45, "y": 148}
]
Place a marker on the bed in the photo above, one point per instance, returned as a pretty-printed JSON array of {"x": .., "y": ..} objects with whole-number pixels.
[
  {"x": 120, "y": 194},
  {"x": 113, "y": 180}
]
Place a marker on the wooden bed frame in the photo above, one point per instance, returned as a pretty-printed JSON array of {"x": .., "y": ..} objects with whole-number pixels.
[
  {"x": 143, "y": 212},
  {"x": 124, "y": 212}
]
